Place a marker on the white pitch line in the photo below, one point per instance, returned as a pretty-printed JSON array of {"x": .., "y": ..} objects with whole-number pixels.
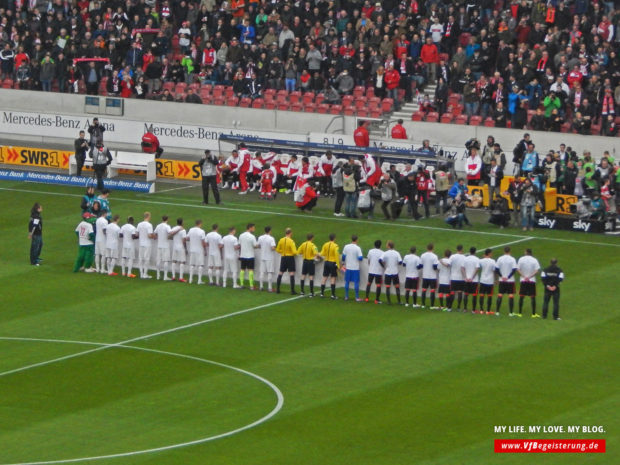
[
  {"x": 271, "y": 414},
  {"x": 327, "y": 218},
  {"x": 175, "y": 189},
  {"x": 507, "y": 243},
  {"x": 146, "y": 336}
]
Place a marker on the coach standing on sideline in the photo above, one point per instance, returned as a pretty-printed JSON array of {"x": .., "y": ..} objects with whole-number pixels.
[
  {"x": 551, "y": 277},
  {"x": 208, "y": 165},
  {"x": 35, "y": 234},
  {"x": 81, "y": 146}
]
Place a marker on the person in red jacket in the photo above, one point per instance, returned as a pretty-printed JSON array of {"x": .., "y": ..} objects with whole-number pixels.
[
  {"x": 430, "y": 57},
  {"x": 126, "y": 86},
  {"x": 392, "y": 81},
  {"x": 304, "y": 195},
  {"x": 150, "y": 144},
  {"x": 399, "y": 131},
  {"x": 360, "y": 135},
  {"x": 244, "y": 167},
  {"x": 424, "y": 185}
]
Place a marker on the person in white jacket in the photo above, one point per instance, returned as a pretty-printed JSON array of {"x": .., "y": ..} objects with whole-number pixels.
[{"x": 473, "y": 167}]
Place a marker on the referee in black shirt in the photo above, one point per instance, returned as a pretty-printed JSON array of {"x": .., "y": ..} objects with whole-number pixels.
[{"x": 552, "y": 276}]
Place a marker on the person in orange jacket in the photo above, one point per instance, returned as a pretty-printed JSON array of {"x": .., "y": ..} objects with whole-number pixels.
[
  {"x": 360, "y": 135},
  {"x": 392, "y": 81},
  {"x": 430, "y": 56}
]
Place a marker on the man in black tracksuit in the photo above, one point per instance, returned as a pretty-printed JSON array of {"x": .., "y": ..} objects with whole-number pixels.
[
  {"x": 408, "y": 188},
  {"x": 81, "y": 147},
  {"x": 552, "y": 276}
]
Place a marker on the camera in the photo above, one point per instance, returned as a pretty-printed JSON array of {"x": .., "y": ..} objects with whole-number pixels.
[{"x": 472, "y": 143}]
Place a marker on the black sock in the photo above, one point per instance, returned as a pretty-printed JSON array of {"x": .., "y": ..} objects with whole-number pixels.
[
  {"x": 407, "y": 296},
  {"x": 398, "y": 293},
  {"x": 333, "y": 289},
  {"x": 465, "y": 301},
  {"x": 520, "y": 304},
  {"x": 387, "y": 294},
  {"x": 292, "y": 284},
  {"x": 498, "y": 304},
  {"x": 378, "y": 289},
  {"x": 489, "y": 301},
  {"x": 432, "y": 298},
  {"x": 302, "y": 283},
  {"x": 450, "y": 300},
  {"x": 459, "y": 300},
  {"x": 322, "y": 289},
  {"x": 415, "y": 297},
  {"x": 424, "y": 297},
  {"x": 312, "y": 286},
  {"x": 533, "y": 305},
  {"x": 441, "y": 300},
  {"x": 511, "y": 304},
  {"x": 367, "y": 290},
  {"x": 474, "y": 301},
  {"x": 278, "y": 282}
]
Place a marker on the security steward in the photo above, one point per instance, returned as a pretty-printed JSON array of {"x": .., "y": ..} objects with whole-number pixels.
[
  {"x": 81, "y": 147},
  {"x": 208, "y": 166},
  {"x": 551, "y": 277}
]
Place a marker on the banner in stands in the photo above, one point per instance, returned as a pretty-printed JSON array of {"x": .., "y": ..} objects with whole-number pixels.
[
  {"x": 575, "y": 224},
  {"x": 80, "y": 181},
  {"x": 29, "y": 156},
  {"x": 125, "y": 131}
]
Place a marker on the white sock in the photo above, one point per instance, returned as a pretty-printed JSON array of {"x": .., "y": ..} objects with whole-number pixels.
[
  {"x": 180, "y": 270},
  {"x": 129, "y": 265},
  {"x": 200, "y": 268},
  {"x": 210, "y": 274},
  {"x": 166, "y": 266},
  {"x": 191, "y": 273}
]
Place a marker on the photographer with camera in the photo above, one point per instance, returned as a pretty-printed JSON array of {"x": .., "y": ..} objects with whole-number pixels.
[
  {"x": 96, "y": 133},
  {"x": 529, "y": 196},
  {"x": 388, "y": 192},
  {"x": 208, "y": 169}
]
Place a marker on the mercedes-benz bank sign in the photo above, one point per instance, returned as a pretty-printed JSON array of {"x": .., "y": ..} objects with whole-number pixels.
[{"x": 569, "y": 223}]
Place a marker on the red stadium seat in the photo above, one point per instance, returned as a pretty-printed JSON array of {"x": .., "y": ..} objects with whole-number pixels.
[
  {"x": 370, "y": 92},
  {"x": 229, "y": 91},
  {"x": 318, "y": 99},
  {"x": 294, "y": 97},
  {"x": 347, "y": 100},
  {"x": 362, "y": 112},
  {"x": 283, "y": 105},
  {"x": 489, "y": 122},
  {"x": 219, "y": 100},
  {"x": 461, "y": 119},
  {"x": 335, "y": 109},
  {"x": 309, "y": 107},
  {"x": 432, "y": 117},
  {"x": 195, "y": 86},
  {"x": 375, "y": 112},
  {"x": 387, "y": 104},
  {"x": 232, "y": 101},
  {"x": 475, "y": 120},
  {"x": 205, "y": 93},
  {"x": 595, "y": 129},
  {"x": 218, "y": 91},
  {"x": 296, "y": 106},
  {"x": 209, "y": 87},
  {"x": 374, "y": 102},
  {"x": 168, "y": 85},
  {"x": 308, "y": 97},
  {"x": 349, "y": 110},
  {"x": 270, "y": 104},
  {"x": 417, "y": 116},
  {"x": 258, "y": 103},
  {"x": 322, "y": 108},
  {"x": 282, "y": 93},
  {"x": 180, "y": 88},
  {"x": 447, "y": 118},
  {"x": 245, "y": 102},
  {"x": 358, "y": 91},
  {"x": 361, "y": 102}
]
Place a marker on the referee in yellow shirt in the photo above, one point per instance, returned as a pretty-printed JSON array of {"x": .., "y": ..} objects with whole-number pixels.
[
  {"x": 287, "y": 249},
  {"x": 309, "y": 253},
  {"x": 330, "y": 252}
]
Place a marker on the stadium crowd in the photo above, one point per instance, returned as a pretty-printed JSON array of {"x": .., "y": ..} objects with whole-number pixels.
[
  {"x": 545, "y": 64},
  {"x": 451, "y": 279}
]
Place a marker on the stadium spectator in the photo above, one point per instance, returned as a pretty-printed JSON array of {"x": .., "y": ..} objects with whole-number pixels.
[{"x": 399, "y": 131}]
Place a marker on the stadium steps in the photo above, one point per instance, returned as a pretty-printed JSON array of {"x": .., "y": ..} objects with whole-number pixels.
[{"x": 408, "y": 109}]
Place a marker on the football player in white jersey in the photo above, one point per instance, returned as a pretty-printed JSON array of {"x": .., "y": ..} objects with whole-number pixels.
[
  {"x": 129, "y": 235},
  {"x": 528, "y": 267},
  {"x": 506, "y": 268},
  {"x": 375, "y": 271},
  {"x": 412, "y": 276},
  {"x": 179, "y": 253},
  {"x": 351, "y": 258},
  {"x": 390, "y": 261},
  {"x": 145, "y": 234},
  {"x": 247, "y": 244},
  {"x": 444, "y": 275},
  {"x": 267, "y": 247},
  {"x": 487, "y": 280},
  {"x": 100, "y": 226},
  {"x": 161, "y": 234},
  {"x": 457, "y": 280},
  {"x": 471, "y": 266},
  {"x": 230, "y": 249},
  {"x": 196, "y": 240},
  {"x": 112, "y": 232},
  {"x": 429, "y": 264},
  {"x": 214, "y": 255}
]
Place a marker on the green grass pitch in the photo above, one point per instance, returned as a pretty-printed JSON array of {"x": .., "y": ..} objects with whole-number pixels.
[{"x": 359, "y": 383}]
